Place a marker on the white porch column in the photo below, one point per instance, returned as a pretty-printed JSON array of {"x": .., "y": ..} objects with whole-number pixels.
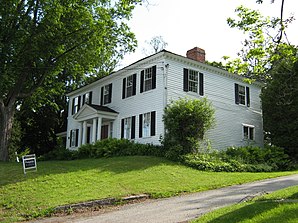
[
  {"x": 94, "y": 130},
  {"x": 99, "y": 122},
  {"x": 80, "y": 134},
  {"x": 84, "y": 133}
]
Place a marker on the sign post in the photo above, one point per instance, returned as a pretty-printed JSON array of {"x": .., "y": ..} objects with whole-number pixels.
[{"x": 29, "y": 162}]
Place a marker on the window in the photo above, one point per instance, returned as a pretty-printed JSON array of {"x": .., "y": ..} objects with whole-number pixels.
[
  {"x": 129, "y": 86},
  {"x": 242, "y": 95},
  {"x": 128, "y": 127},
  {"x": 148, "y": 79},
  {"x": 87, "y": 98},
  {"x": 193, "y": 81},
  {"x": 106, "y": 94},
  {"x": 147, "y": 124},
  {"x": 76, "y": 104},
  {"x": 74, "y": 137},
  {"x": 248, "y": 132}
]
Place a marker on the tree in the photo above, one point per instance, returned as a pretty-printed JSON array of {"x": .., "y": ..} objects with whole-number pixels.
[
  {"x": 156, "y": 44},
  {"x": 261, "y": 47},
  {"x": 40, "y": 39},
  {"x": 280, "y": 105},
  {"x": 186, "y": 122}
]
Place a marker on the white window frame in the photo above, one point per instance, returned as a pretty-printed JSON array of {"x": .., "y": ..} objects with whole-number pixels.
[
  {"x": 87, "y": 98},
  {"x": 193, "y": 81},
  {"x": 146, "y": 124},
  {"x": 76, "y": 105},
  {"x": 127, "y": 128},
  {"x": 242, "y": 94},
  {"x": 73, "y": 137},
  {"x": 129, "y": 86},
  {"x": 248, "y": 132},
  {"x": 148, "y": 79},
  {"x": 106, "y": 94}
]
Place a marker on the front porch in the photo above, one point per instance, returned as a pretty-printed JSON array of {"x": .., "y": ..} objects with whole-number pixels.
[{"x": 95, "y": 123}]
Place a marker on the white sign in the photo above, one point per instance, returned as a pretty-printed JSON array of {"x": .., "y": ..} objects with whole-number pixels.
[{"x": 29, "y": 162}]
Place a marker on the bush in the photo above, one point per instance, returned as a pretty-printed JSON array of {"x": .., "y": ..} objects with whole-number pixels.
[
  {"x": 59, "y": 153},
  {"x": 118, "y": 147},
  {"x": 186, "y": 121},
  {"x": 241, "y": 159}
]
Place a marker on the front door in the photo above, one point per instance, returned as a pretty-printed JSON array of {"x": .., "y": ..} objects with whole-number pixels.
[{"x": 104, "y": 131}]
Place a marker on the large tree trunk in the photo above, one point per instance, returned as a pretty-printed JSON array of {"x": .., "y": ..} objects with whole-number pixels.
[{"x": 6, "y": 120}]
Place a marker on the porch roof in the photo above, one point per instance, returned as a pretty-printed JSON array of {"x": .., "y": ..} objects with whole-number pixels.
[{"x": 90, "y": 111}]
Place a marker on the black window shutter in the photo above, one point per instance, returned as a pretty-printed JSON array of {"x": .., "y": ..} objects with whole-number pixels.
[
  {"x": 140, "y": 126},
  {"x": 133, "y": 127},
  {"x": 123, "y": 88},
  {"x": 201, "y": 84},
  {"x": 153, "y": 77},
  {"x": 134, "y": 84},
  {"x": 79, "y": 103},
  {"x": 153, "y": 117},
  {"x": 101, "y": 96},
  {"x": 237, "y": 94},
  {"x": 247, "y": 97},
  {"x": 185, "y": 79},
  {"x": 77, "y": 137},
  {"x": 70, "y": 137},
  {"x": 84, "y": 99},
  {"x": 142, "y": 81},
  {"x": 72, "y": 106},
  {"x": 110, "y": 93},
  {"x": 90, "y": 98},
  {"x": 122, "y": 128}
]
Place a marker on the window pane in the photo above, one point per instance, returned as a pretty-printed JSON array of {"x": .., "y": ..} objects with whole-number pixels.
[
  {"x": 127, "y": 128},
  {"x": 193, "y": 81},
  {"x": 148, "y": 79},
  {"x": 245, "y": 132},
  {"x": 251, "y": 133},
  {"x": 129, "y": 86},
  {"x": 241, "y": 92},
  {"x": 146, "y": 124}
]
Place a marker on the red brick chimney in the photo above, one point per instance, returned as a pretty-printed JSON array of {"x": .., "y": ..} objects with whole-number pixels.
[{"x": 197, "y": 54}]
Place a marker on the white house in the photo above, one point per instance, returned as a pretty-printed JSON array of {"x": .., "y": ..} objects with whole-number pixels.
[{"x": 129, "y": 103}]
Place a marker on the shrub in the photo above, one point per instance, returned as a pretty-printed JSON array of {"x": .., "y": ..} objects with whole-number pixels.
[
  {"x": 118, "y": 147},
  {"x": 186, "y": 121}
]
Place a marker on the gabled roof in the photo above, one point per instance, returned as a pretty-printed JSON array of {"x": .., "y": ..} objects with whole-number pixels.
[
  {"x": 90, "y": 111},
  {"x": 102, "y": 108}
]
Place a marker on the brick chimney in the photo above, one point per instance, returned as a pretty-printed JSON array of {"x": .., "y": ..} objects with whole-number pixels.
[{"x": 197, "y": 54}]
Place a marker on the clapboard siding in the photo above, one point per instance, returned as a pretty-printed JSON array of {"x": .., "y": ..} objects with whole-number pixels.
[{"x": 219, "y": 89}]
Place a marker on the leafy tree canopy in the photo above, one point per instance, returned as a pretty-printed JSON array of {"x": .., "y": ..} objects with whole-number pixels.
[
  {"x": 40, "y": 39},
  {"x": 261, "y": 48}
]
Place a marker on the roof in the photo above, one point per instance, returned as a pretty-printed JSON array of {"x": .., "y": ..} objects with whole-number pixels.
[{"x": 102, "y": 108}]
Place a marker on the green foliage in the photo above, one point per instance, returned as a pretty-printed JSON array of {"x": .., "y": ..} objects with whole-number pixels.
[
  {"x": 186, "y": 121},
  {"x": 48, "y": 44},
  {"x": 280, "y": 106},
  {"x": 241, "y": 159},
  {"x": 262, "y": 47},
  {"x": 110, "y": 147},
  {"x": 118, "y": 147}
]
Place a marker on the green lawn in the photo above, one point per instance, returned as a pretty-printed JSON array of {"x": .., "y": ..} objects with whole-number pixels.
[
  {"x": 278, "y": 207},
  {"x": 63, "y": 182}
]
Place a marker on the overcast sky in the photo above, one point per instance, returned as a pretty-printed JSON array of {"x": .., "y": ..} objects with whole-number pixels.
[{"x": 184, "y": 24}]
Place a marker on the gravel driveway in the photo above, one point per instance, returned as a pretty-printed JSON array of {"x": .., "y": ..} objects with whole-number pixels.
[{"x": 182, "y": 208}]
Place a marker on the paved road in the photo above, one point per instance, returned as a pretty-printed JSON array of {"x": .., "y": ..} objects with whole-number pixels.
[{"x": 186, "y": 207}]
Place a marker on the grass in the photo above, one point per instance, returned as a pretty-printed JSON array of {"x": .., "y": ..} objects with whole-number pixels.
[
  {"x": 280, "y": 206},
  {"x": 64, "y": 182}
]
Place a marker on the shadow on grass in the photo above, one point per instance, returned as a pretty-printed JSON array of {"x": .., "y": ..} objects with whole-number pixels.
[
  {"x": 255, "y": 209},
  {"x": 13, "y": 172}
]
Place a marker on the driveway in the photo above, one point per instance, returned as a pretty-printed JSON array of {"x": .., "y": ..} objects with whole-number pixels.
[{"x": 182, "y": 208}]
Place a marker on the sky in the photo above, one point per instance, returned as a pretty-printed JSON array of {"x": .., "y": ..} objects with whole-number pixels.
[{"x": 185, "y": 24}]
